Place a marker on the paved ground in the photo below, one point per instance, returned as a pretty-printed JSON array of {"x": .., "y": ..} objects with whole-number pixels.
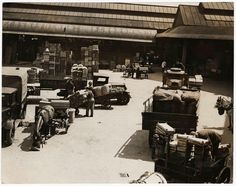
[{"x": 108, "y": 148}]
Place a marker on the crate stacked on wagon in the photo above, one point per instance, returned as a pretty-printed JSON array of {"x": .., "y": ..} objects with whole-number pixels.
[{"x": 183, "y": 158}]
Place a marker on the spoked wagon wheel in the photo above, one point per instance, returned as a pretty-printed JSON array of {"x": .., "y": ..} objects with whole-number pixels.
[
  {"x": 124, "y": 98},
  {"x": 9, "y": 135},
  {"x": 224, "y": 176},
  {"x": 107, "y": 103}
]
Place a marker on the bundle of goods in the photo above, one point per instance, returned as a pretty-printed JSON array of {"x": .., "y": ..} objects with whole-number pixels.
[
  {"x": 161, "y": 138},
  {"x": 102, "y": 90},
  {"x": 198, "y": 141},
  {"x": 79, "y": 72},
  {"x": 182, "y": 140},
  {"x": 196, "y": 80},
  {"x": 175, "y": 101},
  {"x": 106, "y": 89},
  {"x": 173, "y": 145},
  {"x": 164, "y": 129},
  {"x": 77, "y": 99},
  {"x": 190, "y": 96},
  {"x": 97, "y": 91}
]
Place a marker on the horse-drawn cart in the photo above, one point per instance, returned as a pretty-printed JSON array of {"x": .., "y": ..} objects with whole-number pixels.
[
  {"x": 50, "y": 117},
  {"x": 186, "y": 159}
]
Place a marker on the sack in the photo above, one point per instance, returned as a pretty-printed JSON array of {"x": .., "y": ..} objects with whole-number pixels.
[
  {"x": 162, "y": 95},
  {"x": 190, "y": 96},
  {"x": 105, "y": 89},
  {"x": 97, "y": 91}
]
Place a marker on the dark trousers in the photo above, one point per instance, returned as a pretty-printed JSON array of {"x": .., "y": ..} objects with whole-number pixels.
[{"x": 90, "y": 106}]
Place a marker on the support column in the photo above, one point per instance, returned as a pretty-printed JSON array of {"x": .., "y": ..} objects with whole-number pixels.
[{"x": 184, "y": 52}]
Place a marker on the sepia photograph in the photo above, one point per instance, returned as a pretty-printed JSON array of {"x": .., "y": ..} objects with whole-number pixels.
[{"x": 117, "y": 92}]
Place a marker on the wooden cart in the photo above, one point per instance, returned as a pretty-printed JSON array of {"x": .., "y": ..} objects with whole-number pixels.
[{"x": 188, "y": 160}]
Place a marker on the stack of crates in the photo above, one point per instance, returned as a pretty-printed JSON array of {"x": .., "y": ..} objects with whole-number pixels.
[
  {"x": 55, "y": 60},
  {"x": 90, "y": 58},
  {"x": 63, "y": 62},
  {"x": 95, "y": 58},
  {"x": 52, "y": 63}
]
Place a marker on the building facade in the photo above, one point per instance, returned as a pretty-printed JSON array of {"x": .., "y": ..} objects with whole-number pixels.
[
  {"x": 202, "y": 38},
  {"x": 121, "y": 30}
]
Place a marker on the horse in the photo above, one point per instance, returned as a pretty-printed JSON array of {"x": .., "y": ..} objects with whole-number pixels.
[
  {"x": 225, "y": 104},
  {"x": 43, "y": 120},
  {"x": 77, "y": 100}
]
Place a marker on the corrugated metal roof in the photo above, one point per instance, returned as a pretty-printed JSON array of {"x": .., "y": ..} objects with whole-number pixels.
[
  {"x": 191, "y": 15},
  {"x": 218, "y": 17},
  {"x": 80, "y": 31},
  {"x": 88, "y": 14},
  {"x": 218, "y": 5},
  {"x": 84, "y": 18},
  {"x": 114, "y": 6},
  {"x": 198, "y": 32}
]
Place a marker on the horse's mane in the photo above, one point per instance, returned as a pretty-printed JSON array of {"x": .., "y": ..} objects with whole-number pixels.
[{"x": 224, "y": 102}]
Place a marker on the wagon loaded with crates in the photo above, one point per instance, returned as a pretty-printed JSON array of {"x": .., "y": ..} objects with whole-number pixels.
[
  {"x": 184, "y": 158},
  {"x": 178, "y": 108}
]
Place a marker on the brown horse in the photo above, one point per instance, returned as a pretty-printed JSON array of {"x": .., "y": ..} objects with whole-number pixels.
[{"x": 43, "y": 119}]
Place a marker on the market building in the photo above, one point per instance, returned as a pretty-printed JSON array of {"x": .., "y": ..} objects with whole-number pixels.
[
  {"x": 122, "y": 31},
  {"x": 202, "y": 37},
  {"x": 199, "y": 36}
]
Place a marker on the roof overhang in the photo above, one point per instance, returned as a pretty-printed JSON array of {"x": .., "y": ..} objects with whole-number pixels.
[
  {"x": 79, "y": 31},
  {"x": 199, "y": 32}
]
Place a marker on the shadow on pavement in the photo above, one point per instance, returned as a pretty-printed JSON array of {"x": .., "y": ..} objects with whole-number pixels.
[
  {"x": 26, "y": 144},
  {"x": 136, "y": 147},
  {"x": 224, "y": 88}
]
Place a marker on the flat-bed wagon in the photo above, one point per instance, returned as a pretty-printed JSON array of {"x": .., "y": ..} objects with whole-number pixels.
[
  {"x": 179, "y": 114},
  {"x": 186, "y": 159}
]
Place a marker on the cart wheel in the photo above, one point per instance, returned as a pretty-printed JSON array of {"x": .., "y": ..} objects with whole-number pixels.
[
  {"x": 9, "y": 135},
  {"x": 124, "y": 98},
  {"x": 107, "y": 103},
  {"x": 23, "y": 114},
  {"x": 224, "y": 176}
]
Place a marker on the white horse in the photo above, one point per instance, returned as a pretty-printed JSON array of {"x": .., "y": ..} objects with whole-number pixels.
[{"x": 225, "y": 104}]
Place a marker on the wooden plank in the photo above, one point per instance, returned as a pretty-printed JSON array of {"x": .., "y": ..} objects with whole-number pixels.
[
  {"x": 185, "y": 121},
  {"x": 183, "y": 15}
]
